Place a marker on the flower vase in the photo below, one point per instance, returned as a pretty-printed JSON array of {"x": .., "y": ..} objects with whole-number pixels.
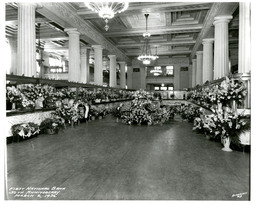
[
  {"x": 234, "y": 107},
  {"x": 14, "y": 106},
  {"x": 72, "y": 123},
  {"x": 226, "y": 144}
]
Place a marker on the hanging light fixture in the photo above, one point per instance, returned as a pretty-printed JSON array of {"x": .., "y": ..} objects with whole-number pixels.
[
  {"x": 40, "y": 48},
  {"x": 146, "y": 55},
  {"x": 107, "y": 10}
]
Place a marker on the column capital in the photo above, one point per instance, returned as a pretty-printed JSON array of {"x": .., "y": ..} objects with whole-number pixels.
[
  {"x": 99, "y": 47},
  {"x": 28, "y": 4},
  {"x": 199, "y": 53},
  {"x": 121, "y": 62},
  {"x": 222, "y": 19},
  {"x": 112, "y": 56},
  {"x": 208, "y": 41},
  {"x": 72, "y": 31}
]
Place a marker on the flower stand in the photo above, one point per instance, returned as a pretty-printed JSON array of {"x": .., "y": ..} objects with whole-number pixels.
[
  {"x": 226, "y": 143},
  {"x": 14, "y": 106}
]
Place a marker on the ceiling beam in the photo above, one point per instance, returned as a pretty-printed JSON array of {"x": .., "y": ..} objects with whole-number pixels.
[
  {"x": 173, "y": 52},
  {"x": 66, "y": 16},
  {"x": 134, "y": 45},
  {"x": 37, "y": 20},
  {"x": 135, "y": 9},
  {"x": 155, "y": 31}
]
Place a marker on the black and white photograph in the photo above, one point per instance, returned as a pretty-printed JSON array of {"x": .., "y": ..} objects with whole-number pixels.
[{"x": 133, "y": 101}]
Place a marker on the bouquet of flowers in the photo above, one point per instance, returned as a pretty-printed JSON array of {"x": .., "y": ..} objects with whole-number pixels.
[
  {"x": 223, "y": 125},
  {"x": 230, "y": 90},
  {"x": 140, "y": 94},
  {"x": 54, "y": 123},
  {"x": 189, "y": 112},
  {"x": 25, "y": 130},
  {"x": 13, "y": 94}
]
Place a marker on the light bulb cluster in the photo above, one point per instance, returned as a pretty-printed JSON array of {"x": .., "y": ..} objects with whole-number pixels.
[{"x": 107, "y": 10}]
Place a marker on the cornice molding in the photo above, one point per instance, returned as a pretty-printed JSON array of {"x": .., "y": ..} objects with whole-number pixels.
[
  {"x": 218, "y": 9},
  {"x": 208, "y": 22}
]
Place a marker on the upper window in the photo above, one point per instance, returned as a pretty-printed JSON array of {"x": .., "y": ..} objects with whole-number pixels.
[
  {"x": 160, "y": 71},
  {"x": 169, "y": 70}
]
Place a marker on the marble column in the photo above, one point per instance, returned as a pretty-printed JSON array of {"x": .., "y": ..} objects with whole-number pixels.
[
  {"x": 193, "y": 73},
  {"x": 73, "y": 55},
  {"x": 244, "y": 61},
  {"x": 221, "y": 49},
  {"x": 122, "y": 75},
  {"x": 207, "y": 59},
  {"x": 26, "y": 55},
  {"x": 13, "y": 46},
  {"x": 190, "y": 76},
  {"x": 129, "y": 77},
  {"x": 98, "y": 72},
  {"x": 112, "y": 70},
  {"x": 199, "y": 67},
  {"x": 84, "y": 70}
]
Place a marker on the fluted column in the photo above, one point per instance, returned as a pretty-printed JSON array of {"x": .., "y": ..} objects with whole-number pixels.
[
  {"x": 26, "y": 63},
  {"x": 13, "y": 46},
  {"x": 129, "y": 77},
  {"x": 207, "y": 59},
  {"x": 112, "y": 71},
  {"x": 221, "y": 50},
  {"x": 199, "y": 67},
  {"x": 98, "y": 72},
  {"x": 84, "y": 70},
  {"x": 190, "y": 76},
  {"x": 193, "y": 73},
  {"x": 122, "y": 75},
  {"x": 244, "y": 61},
  {"x": 74, "y": 55}
]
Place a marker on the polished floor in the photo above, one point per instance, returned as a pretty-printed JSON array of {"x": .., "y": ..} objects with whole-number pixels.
[{"x": 105, "y": 159}]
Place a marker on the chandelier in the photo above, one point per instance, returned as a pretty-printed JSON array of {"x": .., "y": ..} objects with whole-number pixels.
[
  {"x": 107, "y": 10},
  {"x": 40, "y": 47},
  {"x": 156, "y": 71},
  {"x": 146, "y": 55}
]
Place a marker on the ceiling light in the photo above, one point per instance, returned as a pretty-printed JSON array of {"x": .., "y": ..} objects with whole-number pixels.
[
  {"x": 146, "y": 55},
  {"x": 107, "y": 10}
]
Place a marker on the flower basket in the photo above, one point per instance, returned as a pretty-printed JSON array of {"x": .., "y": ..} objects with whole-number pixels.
[
  {"x": 24, "y": 130},
  {"x": 52, "y": 125}
]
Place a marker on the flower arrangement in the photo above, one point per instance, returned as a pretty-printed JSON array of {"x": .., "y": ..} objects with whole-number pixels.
[
  {"x": 13, "y": 94},
  {"x": 140, "y": 94},
  {"x": 68, "y": 113},
  {"x": 230, "y": 90},
  {"x": 25, "y": 130},
  {"x": 222, "y": 125},
  {"x": 142, "y": 111},
  {"x": 189, "y": 112},
  {"x": 226, "y": 92},
  {"x": 54, "y": 123}
]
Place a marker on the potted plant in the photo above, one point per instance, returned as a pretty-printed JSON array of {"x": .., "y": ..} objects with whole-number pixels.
[
  {"x": 24, "y": 130},
  {"x": 52, "y": 125}
]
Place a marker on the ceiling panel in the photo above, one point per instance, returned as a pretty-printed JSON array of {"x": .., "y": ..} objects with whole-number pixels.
[{"x": 174, "y": 27}]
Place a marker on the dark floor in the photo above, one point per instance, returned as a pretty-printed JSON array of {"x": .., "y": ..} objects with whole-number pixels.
[{"x": 104, "y": 159}]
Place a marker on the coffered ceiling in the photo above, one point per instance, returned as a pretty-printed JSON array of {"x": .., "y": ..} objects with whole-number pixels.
[{"x": 176, "y": 28}]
